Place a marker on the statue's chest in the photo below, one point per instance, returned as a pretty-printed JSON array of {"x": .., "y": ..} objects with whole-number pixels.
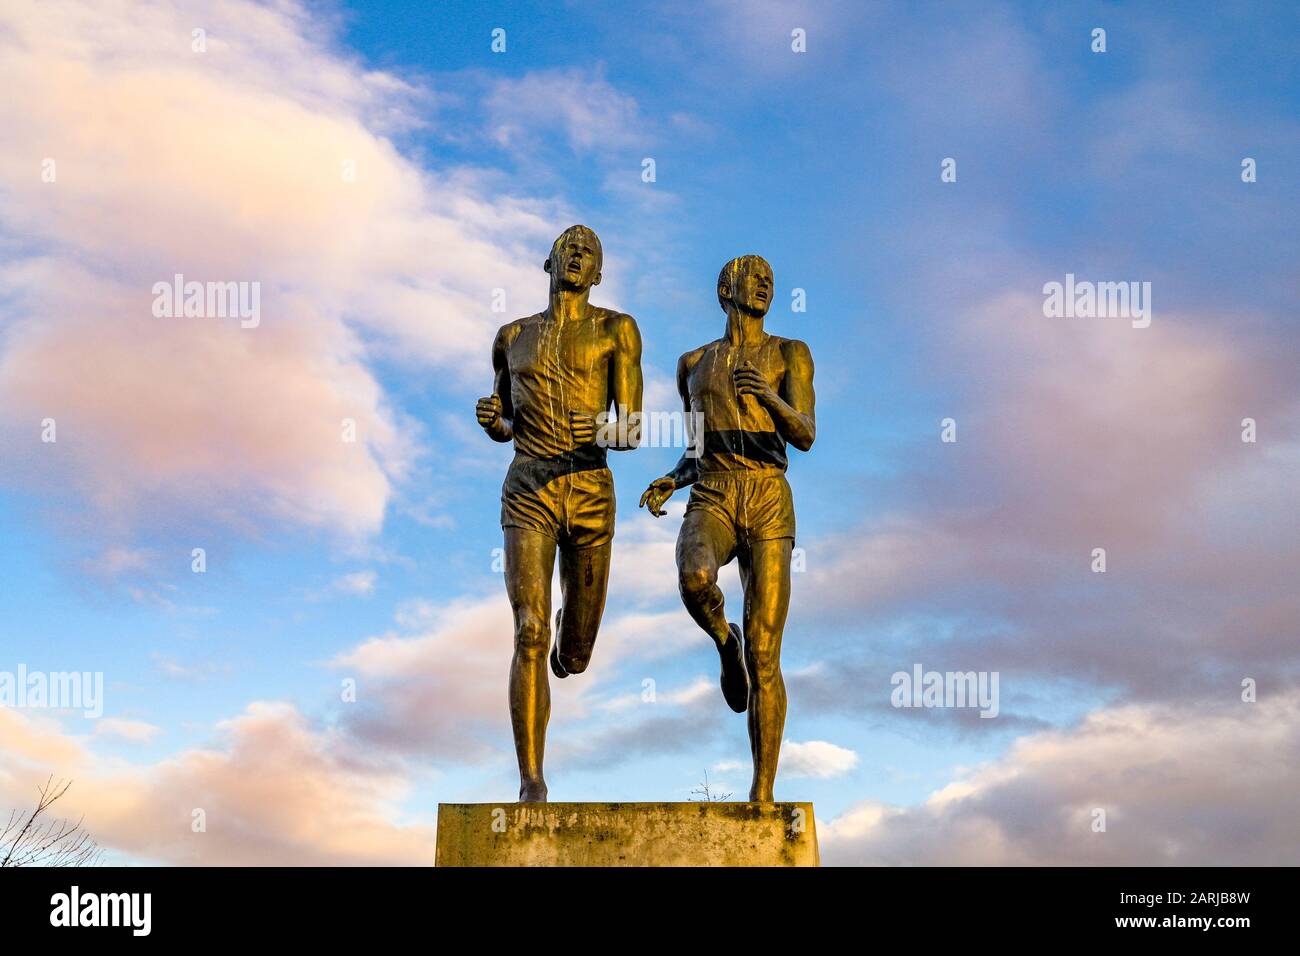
[
  {"x": 711, "y": 383},
  {"x": 549, "y": 350}
]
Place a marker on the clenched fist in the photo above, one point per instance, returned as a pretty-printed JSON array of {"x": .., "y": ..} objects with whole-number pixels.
[
  {"x": 750, "y": 381},
  {"x": 488, "y": 411}
]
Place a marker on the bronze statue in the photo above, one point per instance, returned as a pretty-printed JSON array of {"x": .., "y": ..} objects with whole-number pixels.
[
  {"x": 555, "y": 372},
  {"x": 754, "y": 392}
]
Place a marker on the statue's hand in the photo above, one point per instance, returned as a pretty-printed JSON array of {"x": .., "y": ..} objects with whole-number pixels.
[
  {"x": 583, "y": 428},
  {"x": 488, "y": 411},
  {"x": 660, "y": 490},
  {"x": 750, "y": 381}
]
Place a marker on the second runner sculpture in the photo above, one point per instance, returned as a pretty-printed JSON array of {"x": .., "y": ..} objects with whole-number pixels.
[{"x": 754, "y": 392}]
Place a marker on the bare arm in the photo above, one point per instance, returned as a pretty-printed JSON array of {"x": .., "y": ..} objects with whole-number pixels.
[
  {"x": 793, "y": 407},
  {"x": 495, "y": 413},
  {"x": 687, "y": 469},
  {"x": 625, "y": 383}
]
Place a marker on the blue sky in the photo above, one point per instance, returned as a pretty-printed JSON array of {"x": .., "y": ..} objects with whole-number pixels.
[{"x": 924, "y": 299}]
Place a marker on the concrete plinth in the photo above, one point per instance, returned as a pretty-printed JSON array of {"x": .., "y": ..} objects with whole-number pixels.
[{"x": 626, "y": 834}]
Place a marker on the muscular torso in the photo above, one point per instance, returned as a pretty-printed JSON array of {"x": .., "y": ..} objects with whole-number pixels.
[
  {"x": 556, "y": 368},
  {"x": 738, "y": 432}
]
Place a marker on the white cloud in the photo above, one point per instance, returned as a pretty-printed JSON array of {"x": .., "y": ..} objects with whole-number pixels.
[
  {"x": 816, "y": 758},
  {"x": 357, "y": 583},
  {"x": 1197, "y": 785},
  {"x": 226, "y": 165},
  {"x": 137, "y": 731},
  {"x": 591, "y": 113},
  {"x": 272, "y": 791}
]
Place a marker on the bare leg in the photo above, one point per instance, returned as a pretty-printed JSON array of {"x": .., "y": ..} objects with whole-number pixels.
[
  {"x": 584, "y": 575},
  {"x": 704, "y": 544},
  {"x": 530, "y": 562},
  {"x": 765, "y": 571}
]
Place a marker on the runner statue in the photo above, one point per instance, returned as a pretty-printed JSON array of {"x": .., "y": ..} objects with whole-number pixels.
[
  {"x": 754, "y": 393},
  {"x": 556, "y": 372}
]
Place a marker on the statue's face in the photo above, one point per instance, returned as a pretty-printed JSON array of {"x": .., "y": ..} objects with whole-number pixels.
[
  {"x": 574, "y": 262},
  {"x": 751, "y": 290}
]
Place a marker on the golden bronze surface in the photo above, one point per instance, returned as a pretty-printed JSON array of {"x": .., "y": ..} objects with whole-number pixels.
[
  {"x": 554, "y": 373},
  {"x": 754, "y": 393}
]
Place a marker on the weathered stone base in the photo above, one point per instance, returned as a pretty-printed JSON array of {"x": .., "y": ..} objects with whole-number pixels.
[{"x": 626, "y": 834}]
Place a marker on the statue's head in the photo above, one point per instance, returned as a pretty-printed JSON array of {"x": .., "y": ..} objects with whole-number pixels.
[
  {"x": 575, "y": 259},
  {"x": 746, "y": 283}
]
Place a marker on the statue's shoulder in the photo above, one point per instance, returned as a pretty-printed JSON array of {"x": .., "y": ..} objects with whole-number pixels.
[
  {"x": 690, "y": 359},
  {"x": 793, "y": 349},
  {"x": 510, "y": 331},
  {"x": 615, "y": 320},
  {"x": 620, "y": 327}
]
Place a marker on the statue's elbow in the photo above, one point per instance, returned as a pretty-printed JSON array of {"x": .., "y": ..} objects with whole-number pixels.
[{"x": 805, "y": 441}]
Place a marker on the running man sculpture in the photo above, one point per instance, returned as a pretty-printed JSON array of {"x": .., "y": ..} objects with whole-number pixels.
[
  {"x": 754, "y": 392},
  {"x": 555, "y": 373}
]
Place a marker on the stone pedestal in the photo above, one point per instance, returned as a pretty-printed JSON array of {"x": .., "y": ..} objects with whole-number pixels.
[{"x": 626, "y": 834}]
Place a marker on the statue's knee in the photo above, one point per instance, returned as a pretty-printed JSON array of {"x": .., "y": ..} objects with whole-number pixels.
[
  {"x": 532, "y": 636},
  {"x": 764, "y": 663},
  {"x": 696, "y": 584}
]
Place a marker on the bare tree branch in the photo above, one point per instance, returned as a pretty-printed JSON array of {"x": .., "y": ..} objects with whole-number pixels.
[
  {"x": 708, "y": 796},
  {"x": 40, "y": 842}
]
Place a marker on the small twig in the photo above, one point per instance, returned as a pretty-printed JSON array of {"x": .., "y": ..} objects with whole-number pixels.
[
  {"x": 56, "y": 843},
  {"x": 706, "y": 795}
]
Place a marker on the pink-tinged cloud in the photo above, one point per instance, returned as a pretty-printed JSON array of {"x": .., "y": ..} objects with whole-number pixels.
[
  {"x": 263, "y": 158},
  {"x": 436, "y": 684},
  {"x": 439, "y": 690},
  {"x": 1209, "y": 783},
  {"x": 271, "y": 790},
  {"x": 1073, "y": 435}
]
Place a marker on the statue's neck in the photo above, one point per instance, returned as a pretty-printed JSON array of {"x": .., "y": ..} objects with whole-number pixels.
[
  {"x": 744, "y": 328},
  {"x": 568, "y": 305}
]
